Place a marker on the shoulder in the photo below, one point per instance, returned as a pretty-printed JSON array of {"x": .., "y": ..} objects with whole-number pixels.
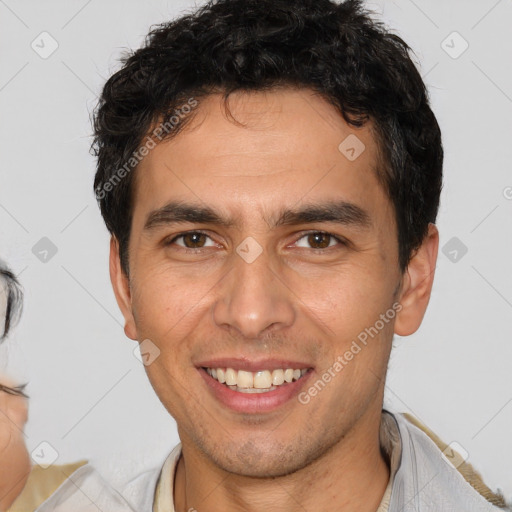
[
  {"x": 85, "y": 490},
  {"x": 81, "y": 488},
  {"x": 433, "y": 474},
  {"x": 155, "y": 486},
  {"x": 42, "y": 483},
  {"x": 140, "y": 490}
]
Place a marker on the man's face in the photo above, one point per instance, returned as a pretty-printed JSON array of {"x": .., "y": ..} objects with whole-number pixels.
[{"x": 261, "y": 295}]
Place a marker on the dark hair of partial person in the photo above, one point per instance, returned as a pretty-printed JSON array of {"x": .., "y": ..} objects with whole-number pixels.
[
  {"x": 14, "y": 306},
  {"x": 14, "y": 299},
  {"x": 337, "y": 50}
]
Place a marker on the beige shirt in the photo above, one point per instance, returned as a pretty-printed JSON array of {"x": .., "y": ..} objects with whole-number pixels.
[{"x": 389, "y": 440}]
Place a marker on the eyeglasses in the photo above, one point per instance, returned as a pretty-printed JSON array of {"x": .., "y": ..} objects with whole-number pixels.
[{"x": 16, "y": 391}]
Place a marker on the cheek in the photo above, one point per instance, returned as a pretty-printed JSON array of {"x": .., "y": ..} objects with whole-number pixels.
[
  {"x": 345, "y": 301},
  {"x": 161, "y": 303},
  {"x": 166, "y": 311},
  {"x": 14, "y": 459},
  {"x": 19, "y": 411}
]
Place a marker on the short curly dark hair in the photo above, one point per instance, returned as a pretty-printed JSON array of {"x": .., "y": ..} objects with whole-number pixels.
[
  {"x": 337, "y": 50},
  {"x": 14, "y": 296},
  {"x": 14, "y": 304}
]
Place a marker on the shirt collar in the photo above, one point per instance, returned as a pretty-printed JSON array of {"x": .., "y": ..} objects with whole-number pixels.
[{"x": 389, "y": 441}]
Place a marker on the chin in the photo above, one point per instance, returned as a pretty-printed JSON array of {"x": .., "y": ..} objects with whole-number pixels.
[{"x": 266, "y": 460}]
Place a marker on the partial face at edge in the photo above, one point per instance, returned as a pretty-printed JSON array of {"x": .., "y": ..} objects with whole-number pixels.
[{"x": 302, "y": 300}]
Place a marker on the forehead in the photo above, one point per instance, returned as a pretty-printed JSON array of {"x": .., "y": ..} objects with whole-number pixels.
[{"x": 267, "y": 148}]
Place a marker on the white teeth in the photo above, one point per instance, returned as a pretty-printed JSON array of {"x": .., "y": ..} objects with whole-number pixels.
[
  {"x": 288, "y": 375},
  {"x": 262, "y": 379},
  {"x": 278, "y": 377},
  {"x": 255, "y": 382},
  {"x": 231, "y": 377},
  {"x": 251, "y": 390},
  {"x": 245, "y": 379}
]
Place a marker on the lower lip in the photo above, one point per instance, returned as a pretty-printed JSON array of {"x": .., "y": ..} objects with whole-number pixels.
[{"x": 254, "y": 402}]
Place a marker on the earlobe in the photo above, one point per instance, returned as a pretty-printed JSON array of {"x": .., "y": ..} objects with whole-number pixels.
[
  {"x": 417, "y": 284},
  {"x": 121, "y": 286}
]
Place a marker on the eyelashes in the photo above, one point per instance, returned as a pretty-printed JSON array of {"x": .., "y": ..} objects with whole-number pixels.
[
  {"x": 340, "y": 241},
  {"x": 183, "y": 235},
  {"x": 15, "y": 391}
]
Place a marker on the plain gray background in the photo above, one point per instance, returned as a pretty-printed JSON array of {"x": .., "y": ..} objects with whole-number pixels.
[{"x": 90, "y": 397}]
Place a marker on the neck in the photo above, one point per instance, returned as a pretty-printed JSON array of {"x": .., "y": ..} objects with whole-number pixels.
[{"x": 352, "y": 475}]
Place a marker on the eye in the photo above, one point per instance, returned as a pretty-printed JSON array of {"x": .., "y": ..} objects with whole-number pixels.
[
  {"x": 191, "y": 240},
  {"x": 197, "y": 240},
  {"x": 15, "y": 391},
  {"x": 320, "y": 240}
]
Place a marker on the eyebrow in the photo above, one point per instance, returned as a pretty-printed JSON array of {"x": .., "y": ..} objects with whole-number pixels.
[{"x": 339, "y": 212}]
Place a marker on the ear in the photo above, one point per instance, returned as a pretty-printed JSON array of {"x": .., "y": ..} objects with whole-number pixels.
[
  {"x": 121, "y": 286},
  {"x": 417, "y": 284}
]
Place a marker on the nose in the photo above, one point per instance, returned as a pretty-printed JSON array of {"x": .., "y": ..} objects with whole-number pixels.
[{"x": 254, "y": 299}]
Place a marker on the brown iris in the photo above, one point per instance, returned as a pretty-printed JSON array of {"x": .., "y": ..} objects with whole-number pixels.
[
  {"x": 313, "y": 239},
  {"x": 196, "y": 237}
]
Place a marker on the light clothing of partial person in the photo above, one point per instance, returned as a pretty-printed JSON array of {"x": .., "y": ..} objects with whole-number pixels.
[{"x": 426, "y": 475}]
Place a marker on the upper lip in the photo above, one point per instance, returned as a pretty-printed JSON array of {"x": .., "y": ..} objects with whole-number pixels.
[{"x": 253, "y": 365}]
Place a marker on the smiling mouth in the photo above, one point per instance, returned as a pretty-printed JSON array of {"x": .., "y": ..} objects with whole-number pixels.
[{"x": 261, "y": 381}]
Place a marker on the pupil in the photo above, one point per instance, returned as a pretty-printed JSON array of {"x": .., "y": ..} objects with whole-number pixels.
[
  {"x": 314, "y": 237},
  {"x": 193, "y": 236}
]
